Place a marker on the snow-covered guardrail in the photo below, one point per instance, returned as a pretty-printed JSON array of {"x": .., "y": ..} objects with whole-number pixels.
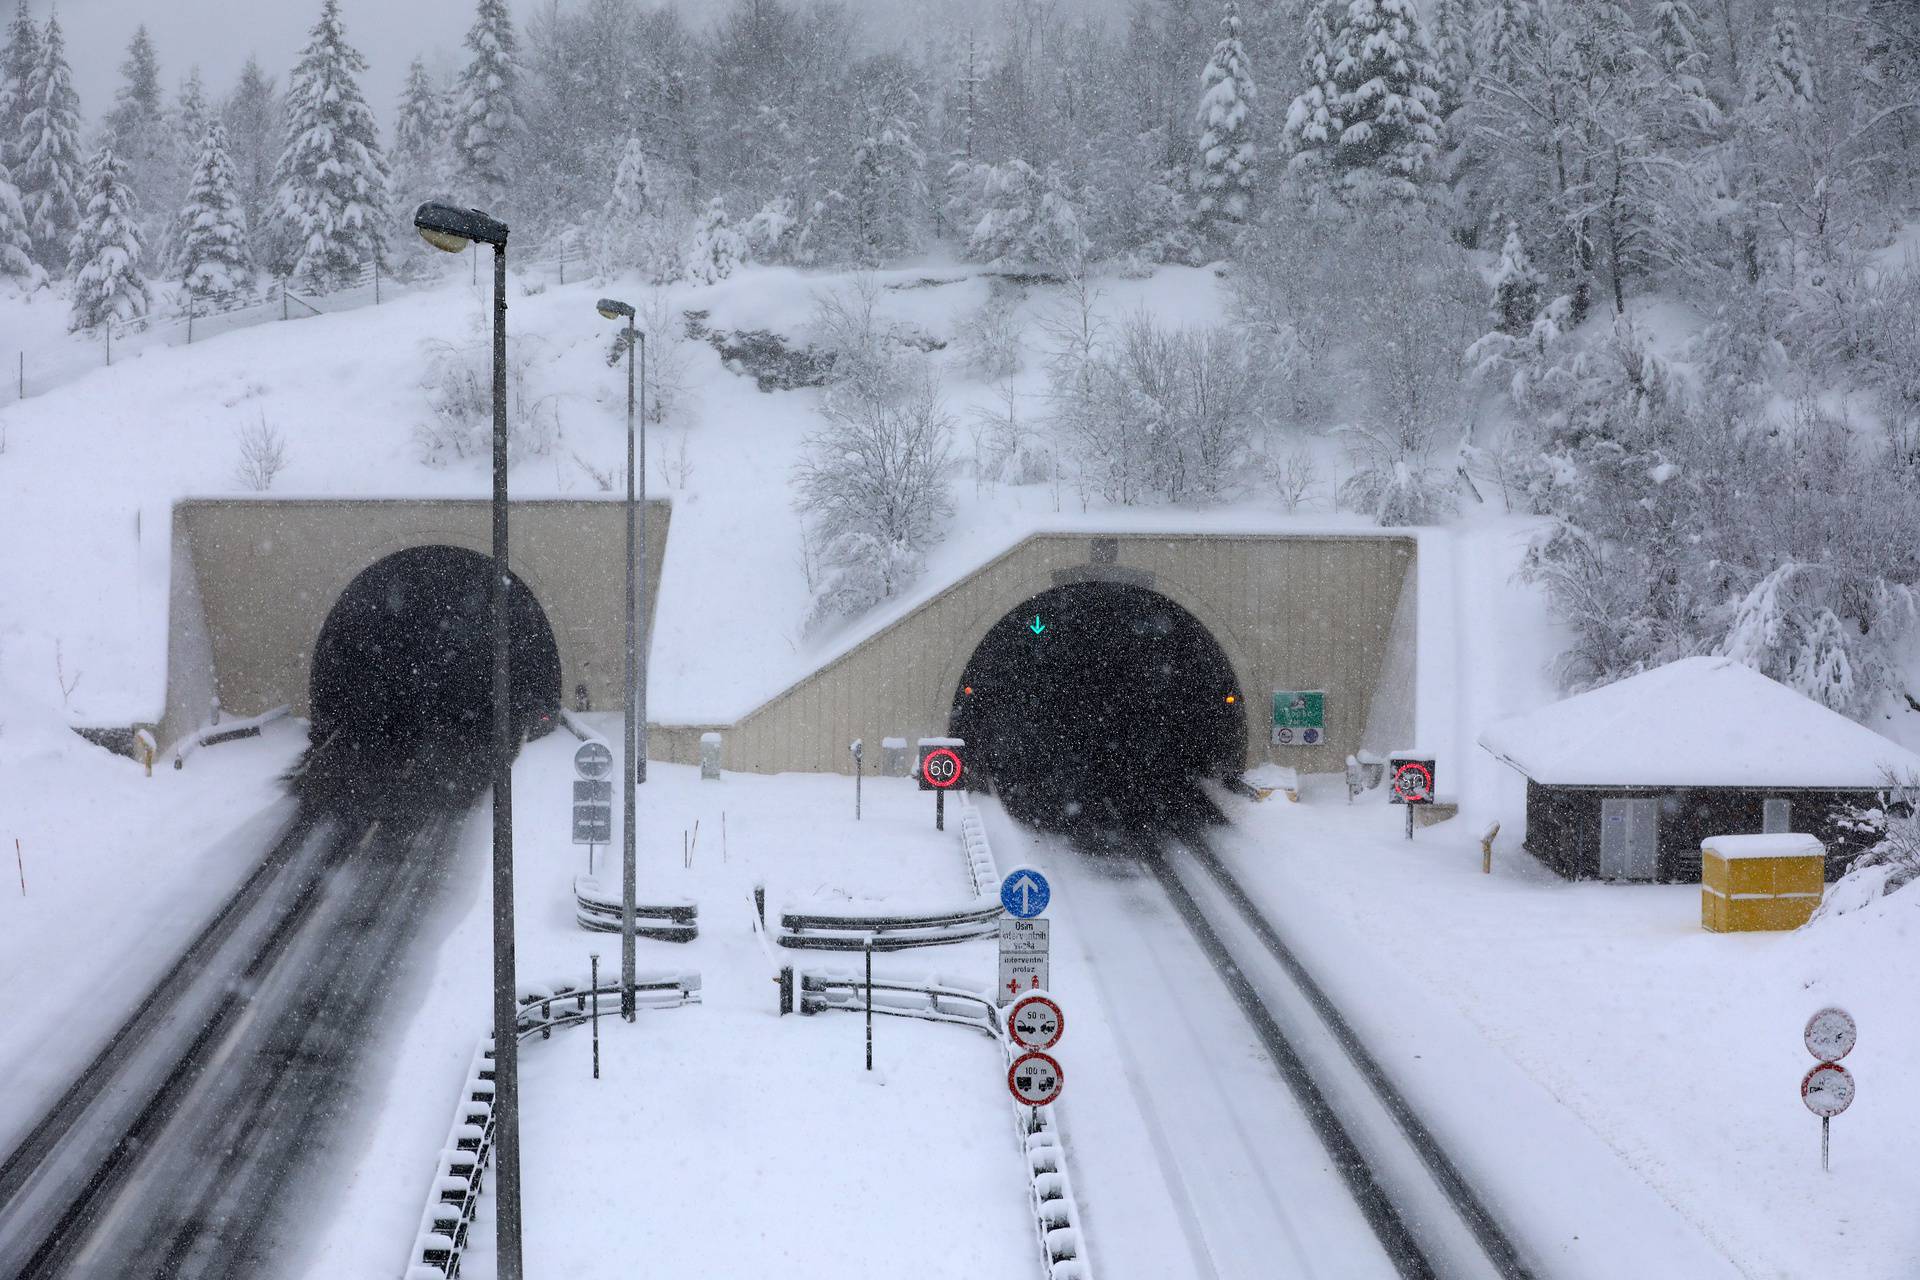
[
  {"x": 544, "y": 1008},
  {"x": 1056, "y": 1214},
  {"x": 455, "y": 1194},
  {"x": 932, "y": 999},
  {"x": 973, "y": 838},
  {"x": 460, "y": 1170},
  {"x": 212, "y": 735},
  {"x": 598, "y": 908},
  {"x": 887, "y": 931},
  {"x": 899, "y": 931}
]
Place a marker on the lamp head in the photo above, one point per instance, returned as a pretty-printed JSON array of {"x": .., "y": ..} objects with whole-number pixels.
[
  {"x": 451, "y": 229},
  {"x": 614, "y": 309}
]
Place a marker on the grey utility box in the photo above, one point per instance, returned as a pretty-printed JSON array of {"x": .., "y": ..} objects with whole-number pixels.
[{"x": 709, "y": 757}]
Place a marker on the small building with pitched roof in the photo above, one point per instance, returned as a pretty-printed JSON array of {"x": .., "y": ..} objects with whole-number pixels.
[{"x": 1625, "y": 781}]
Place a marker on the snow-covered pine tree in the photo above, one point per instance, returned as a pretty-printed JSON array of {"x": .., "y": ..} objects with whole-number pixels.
[
  {"x": 137, "y": 111},
  {"x": 16, "y": 73},
  {"x": 421, "y": 124},
  {"x": 1313, "y": 125},
  {"x": 332, "y": 175},
  {"x": 1677, "y": 48},
  {"x": 622, "y": 240},
  {"x": 1380, "y": 89},
  {"x": 215, "y": 256},
  {"x": 422, "y": 161},
  {"x": 1449, "y": 30},
  {"x": 487, "y": 113},
  {"x": 1783, "y": 78},
  {"x": 717, "y": 249},
  {"x": 1016, "y": 216},
  {"x": 1504, "y": 26},
  {"x": 49, "y": 174},
  {"x": 888, "y": 189},
  {"x": 1516, "y": 286},
  {"x": 16, "y": 259},
  {"x": 1224, "y": 177},
  {"x": 106, "y": 249},
  {"x": 252, "y": 113},
  {"x": 191, "y": 114}
]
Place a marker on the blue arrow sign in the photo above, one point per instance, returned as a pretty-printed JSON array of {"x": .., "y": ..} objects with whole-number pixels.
[{"x": 1024, "y": 893}]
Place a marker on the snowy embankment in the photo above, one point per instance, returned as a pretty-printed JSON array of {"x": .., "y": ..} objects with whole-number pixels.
[{"x": 92, "y": 468}]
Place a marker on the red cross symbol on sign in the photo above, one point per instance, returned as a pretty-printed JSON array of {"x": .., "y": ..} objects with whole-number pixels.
[{"x": 1013, "y": 986}]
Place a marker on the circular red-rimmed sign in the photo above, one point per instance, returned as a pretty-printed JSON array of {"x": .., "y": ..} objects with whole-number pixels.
[
  {"x": 1827, "y": 1089},
  {"x": 1036, "y": 1022},
  {"x": 1413, "y": 782},
  {"x": 1034, "y": 1078},
  {"x": 941, "y": 767},
  {"x": 1830, "y": 1034}
]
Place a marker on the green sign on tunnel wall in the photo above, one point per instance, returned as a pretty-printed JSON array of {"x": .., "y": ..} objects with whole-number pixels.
[{"x": 1299, "y": 717}]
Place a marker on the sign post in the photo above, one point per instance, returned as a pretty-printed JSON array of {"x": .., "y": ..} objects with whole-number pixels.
[
  {"x": 940, "y": 771},
  {"x": 1827, "y": 1088},
  {"x": 592, "y": 797},
  {"x": 855, "y": 748},
  {"x": 1412, "y": 783},
  {"x": 1299, "y": 717}
]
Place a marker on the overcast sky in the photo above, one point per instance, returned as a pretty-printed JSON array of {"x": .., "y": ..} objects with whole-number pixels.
[{"x": 218, "y": 35}]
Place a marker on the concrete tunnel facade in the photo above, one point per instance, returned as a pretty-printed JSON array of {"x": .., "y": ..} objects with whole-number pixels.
[{"x": 255, "y": 579}]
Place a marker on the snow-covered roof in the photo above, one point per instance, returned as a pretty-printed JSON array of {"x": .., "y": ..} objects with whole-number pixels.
[
  {"x": 1783, "y": 844},
  {"x": 1698, "y": 722}
]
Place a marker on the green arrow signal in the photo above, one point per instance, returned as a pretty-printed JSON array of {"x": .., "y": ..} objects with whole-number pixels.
[{"x": 1036, "y": 626}]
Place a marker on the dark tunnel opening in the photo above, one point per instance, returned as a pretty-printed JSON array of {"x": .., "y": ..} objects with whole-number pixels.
[
  {"x": 402, "y": 683},
  {"x": 1104, "y": 717}
]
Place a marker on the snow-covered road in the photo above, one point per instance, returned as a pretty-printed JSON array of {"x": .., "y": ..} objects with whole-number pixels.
[{"x": 1191, "y": 1154}]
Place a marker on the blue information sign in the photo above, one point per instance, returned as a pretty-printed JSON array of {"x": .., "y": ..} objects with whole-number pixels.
[{"x": 1024, "y": 893}]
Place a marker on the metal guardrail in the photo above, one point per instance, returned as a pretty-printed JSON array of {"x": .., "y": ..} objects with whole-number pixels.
[
  {"x": 600, "y": 912},
  {"x": 973, "y": 838},
  {"x": 542, "y": 1009},
  {"x": 931, "y": 1000},
  {"x": 884, "y": 932},
  {"x": 212, "y": 735},
  {"x": 460, "y": 1171}
]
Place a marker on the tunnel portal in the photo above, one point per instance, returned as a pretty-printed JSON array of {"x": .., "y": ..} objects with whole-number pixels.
[
  {"x": 1100, "y": 704},
  {"x": 402, "y": 681}
]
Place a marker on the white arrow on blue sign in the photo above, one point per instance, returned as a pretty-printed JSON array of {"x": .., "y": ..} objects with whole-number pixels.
[{"x": 1024, "y": 893}]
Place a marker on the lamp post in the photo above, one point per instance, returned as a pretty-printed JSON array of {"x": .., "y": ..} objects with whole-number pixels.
[
  {"x": 635, "y": 743},
  {"x": 449, "y": 228}
]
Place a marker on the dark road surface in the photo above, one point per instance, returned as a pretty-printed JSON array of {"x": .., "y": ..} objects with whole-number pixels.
[{"x": 174, "y": 1153}]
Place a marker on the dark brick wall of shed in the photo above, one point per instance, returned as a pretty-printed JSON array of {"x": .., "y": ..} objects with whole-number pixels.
[{"x": 1563, "y": 824}]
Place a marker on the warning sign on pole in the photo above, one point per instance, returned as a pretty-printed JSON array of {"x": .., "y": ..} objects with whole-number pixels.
[
  {"x": 1034, "y": 1078},
  {"x": 1025, "y": 949}
]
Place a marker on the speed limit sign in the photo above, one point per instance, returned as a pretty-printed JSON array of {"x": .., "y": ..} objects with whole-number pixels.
[{"x": 940, "y": 768}]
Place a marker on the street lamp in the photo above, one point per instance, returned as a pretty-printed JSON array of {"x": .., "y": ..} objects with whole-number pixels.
[
  {"x": 449, "y": 228},
  {"x": 635, "y": 748}
]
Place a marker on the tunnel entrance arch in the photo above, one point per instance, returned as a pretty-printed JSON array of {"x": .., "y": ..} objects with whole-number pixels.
[
  {"x": 401, "y": 680},
  {"x": 1100, "y": 702}
]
